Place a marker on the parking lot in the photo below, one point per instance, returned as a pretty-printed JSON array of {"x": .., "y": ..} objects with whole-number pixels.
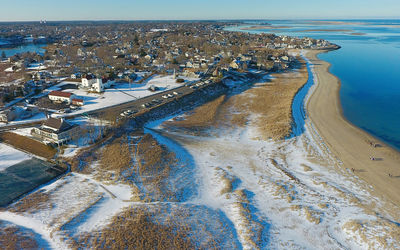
[{"x": 130, "y": 109}]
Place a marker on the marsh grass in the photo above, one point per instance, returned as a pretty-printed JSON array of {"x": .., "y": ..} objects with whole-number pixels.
[
  {"x": 36, "y": 201},
  {"x": 269, "y": 106},
  {"x": 202, "y": 116},
  {"x": 115, "y": 160},
  {"x": 156, "y": 164},
  {"x": 375, "y": 238},
  {"x": 198, "y": 121},
  {"x": 135, "y": 228},
  {"x": 12, "y": 237}
]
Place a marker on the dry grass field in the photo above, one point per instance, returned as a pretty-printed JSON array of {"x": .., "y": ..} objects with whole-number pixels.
[
  {"x": 156, "y": 165},
  {"x": 270, "y": 104},
  {"x": 12, "y": 237},
  {"x": 267, "y": 106},
  {"x": 202, "y": 116},
  {"x": 135, "y": 228},
  {"x": 158, "y": 226},
  {"x": 35, "y": 201},
  {"x": 135, "y": 159},
  {"x": 115, "y": 159},
  {"x": 27, "y": 144}
]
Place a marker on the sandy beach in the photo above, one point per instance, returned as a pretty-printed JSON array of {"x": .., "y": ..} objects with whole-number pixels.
[{"x": 348, "y": 143}]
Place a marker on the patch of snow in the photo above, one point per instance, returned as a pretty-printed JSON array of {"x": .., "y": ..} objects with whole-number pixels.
[
  {"x": 120, "y": 93},
  {"x": 11, "y": 156},
  {"x": 35, "y": 225}
]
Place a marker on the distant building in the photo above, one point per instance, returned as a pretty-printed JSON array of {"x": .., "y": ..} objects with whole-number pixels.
[
  {"x": 40, "y": 75},
  {"x": 60, "y": 96},
  {"x": 55, "y": 130},
  {"x": 81, "y": 52},
  {"x": 75, "y": 76}
]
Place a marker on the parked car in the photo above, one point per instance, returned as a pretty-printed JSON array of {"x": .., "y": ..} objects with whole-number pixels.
[{"x": 153, "y": 88}]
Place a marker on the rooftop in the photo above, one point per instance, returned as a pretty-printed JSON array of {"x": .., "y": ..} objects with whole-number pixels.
[{"x": 60, "y": 93}]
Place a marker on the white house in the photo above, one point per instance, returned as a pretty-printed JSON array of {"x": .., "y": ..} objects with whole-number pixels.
[
  {"x": 94, "y": 84},
  {"x": 60, "y": 96}
]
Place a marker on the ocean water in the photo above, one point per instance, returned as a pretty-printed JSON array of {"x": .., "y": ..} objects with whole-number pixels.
[{"x": 368, "y": 65}]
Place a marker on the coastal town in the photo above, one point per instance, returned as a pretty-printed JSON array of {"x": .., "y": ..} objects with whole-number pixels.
[
  {"x": 86, "y": 68},
  {"x": 176, "y": 135}
]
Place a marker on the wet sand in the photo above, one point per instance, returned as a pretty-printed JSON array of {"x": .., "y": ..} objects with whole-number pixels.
[{"x": 349, "y": 143}]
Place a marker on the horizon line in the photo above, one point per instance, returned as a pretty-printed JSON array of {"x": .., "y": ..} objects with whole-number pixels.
[{"x": 207, "y": 19}]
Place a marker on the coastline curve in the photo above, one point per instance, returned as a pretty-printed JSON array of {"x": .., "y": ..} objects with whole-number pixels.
[{"x": 347, "y": 142}]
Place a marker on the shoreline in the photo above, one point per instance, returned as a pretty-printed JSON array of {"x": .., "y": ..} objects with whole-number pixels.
[{"x": 347, "y": 142}]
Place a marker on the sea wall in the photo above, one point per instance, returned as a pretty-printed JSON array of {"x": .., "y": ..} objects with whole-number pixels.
[{"x": 176, "y": 106}]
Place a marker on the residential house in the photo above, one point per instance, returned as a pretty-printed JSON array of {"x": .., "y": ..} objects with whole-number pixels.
[
  {"x": 40, "y": 75},
  {"x": 81, "y": 52},
  {"x": 76, "y": 76},
  {"x": 55, "y": 130}
]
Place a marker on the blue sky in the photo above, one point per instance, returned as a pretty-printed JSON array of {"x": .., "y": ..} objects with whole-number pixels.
[{"x": 23, "y": 10}]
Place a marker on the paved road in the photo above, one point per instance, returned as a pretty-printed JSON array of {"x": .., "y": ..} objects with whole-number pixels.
[
  {"x": 152, "y": 100},
  {"x": 135, "y": 105}
]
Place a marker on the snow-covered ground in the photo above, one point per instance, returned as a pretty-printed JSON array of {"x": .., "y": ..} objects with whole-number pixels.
[
  {"x": 76, "y": 204},
  {"x": 121, "y": 93},
  {"x": 289, "y": 194},
  {"x": 35, "y": 118},
  {"x": 10, "y": 156},
  {"x": 93, "y": 127}
]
